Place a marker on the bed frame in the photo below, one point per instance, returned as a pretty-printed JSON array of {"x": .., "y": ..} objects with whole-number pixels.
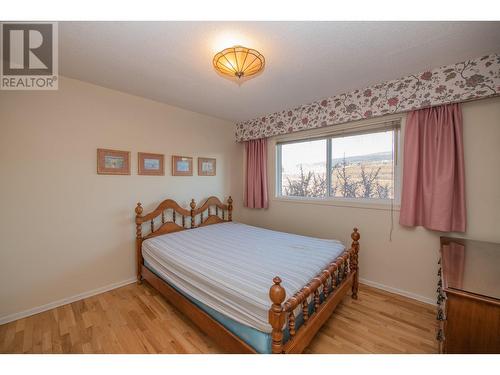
[{"x": 324, "y": 292}]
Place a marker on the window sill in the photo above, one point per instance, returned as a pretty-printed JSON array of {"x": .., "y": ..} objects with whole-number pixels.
[{"x": 340, "y": 202}]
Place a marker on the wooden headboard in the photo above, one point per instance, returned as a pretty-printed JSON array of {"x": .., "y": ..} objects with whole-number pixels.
[{"x": 170, "y": 217}]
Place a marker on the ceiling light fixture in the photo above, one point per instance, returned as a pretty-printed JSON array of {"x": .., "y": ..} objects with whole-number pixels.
[{"x": 239, "y": 61}]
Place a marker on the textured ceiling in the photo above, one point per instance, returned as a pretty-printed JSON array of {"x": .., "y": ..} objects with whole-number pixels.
[{"x": 171, "y": 62}]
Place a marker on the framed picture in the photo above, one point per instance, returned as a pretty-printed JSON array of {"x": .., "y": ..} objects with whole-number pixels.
[
  {"x": 182, "y": 165},
  {"x": 113, "y": 161},
  {"x": 150, "y": 164},
  {"x": 206, "y": 166}
]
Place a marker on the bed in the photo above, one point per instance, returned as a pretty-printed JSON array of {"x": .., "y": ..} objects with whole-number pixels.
[{"x": 252, "y": 290}]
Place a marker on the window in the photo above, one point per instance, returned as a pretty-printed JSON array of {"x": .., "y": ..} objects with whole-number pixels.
[
  {"x": 303, "y": 169},
  {"x": 348, "y": 166}
]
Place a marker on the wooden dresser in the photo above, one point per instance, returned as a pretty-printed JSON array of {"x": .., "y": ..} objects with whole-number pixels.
[{"x": 469, "y": 296}]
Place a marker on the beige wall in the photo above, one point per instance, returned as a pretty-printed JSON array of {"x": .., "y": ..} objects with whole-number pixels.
[
  {"x": 408, "y": 263},
  {"x": 65, "y": 230}
]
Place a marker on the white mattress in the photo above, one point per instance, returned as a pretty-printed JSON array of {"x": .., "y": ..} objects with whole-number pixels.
[{"x": 230, "y": 266}]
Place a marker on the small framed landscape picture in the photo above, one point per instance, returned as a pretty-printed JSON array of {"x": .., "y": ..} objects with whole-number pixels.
[
  {"x": 206, "y": 167},
  {"x": 182, "y": 165},
  {"x": 113, "y": 161},
  {"x": 150, "y": 164}
]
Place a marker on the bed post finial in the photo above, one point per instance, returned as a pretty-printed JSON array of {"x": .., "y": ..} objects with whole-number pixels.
[
  {"x": 354, "y": 262},
  {"x": 193, "y": 206},
  {"x": 138, "y": 209},
  {"x": 355, "y": 237},
  {"x": 138, "y": 240},
  {"x": 230, "y": 209},
  {"x": 276, "y": 315}
]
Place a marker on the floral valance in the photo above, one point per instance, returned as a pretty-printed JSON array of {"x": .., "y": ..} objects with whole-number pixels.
[{"x": 470, "y": 80}]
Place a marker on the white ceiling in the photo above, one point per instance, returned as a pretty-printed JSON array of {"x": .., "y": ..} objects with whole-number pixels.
[{"x": 171, "y": 62}]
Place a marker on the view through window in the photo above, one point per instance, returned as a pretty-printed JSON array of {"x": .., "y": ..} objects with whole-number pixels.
[
  {"x": 350, "y": 166},
  {"x": 304, "y": 169}
]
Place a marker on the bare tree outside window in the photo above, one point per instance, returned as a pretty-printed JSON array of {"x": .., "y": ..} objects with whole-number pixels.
[
  {"x": 308, "y": 184},
  {"x": 343, "y": 181}
]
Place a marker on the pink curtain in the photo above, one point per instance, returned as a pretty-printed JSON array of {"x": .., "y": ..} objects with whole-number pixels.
[
  {"x": 433, "y": 170},
  {"x": 256, "y": 174}
]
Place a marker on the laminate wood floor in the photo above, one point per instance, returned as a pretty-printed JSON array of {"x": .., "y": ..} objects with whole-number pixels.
[{"x": 136, "y": 319}]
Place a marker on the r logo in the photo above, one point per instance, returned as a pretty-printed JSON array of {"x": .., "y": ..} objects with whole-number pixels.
[
  {"x": 27, "y": 49},
  {"x": 29, "y": 56}
]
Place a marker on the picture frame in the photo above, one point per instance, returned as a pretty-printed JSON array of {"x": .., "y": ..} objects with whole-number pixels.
[
  {"x": 182, "y": 165},
  {"x": 207, "y": 166},
  {"x": 114, "y": 162},
  {"x": 150, "y": 164}
]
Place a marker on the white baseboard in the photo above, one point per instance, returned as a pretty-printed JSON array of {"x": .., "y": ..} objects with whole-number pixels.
[
  {"x": 417, "y": 297},
  {"x": 64, "y": 301},
  {"x": 90, "y": 293}
]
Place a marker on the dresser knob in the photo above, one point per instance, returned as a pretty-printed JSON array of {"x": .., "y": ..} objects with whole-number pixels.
[
  {"x": 440, "y": 315},
  {"x": 440, "y": 336}
]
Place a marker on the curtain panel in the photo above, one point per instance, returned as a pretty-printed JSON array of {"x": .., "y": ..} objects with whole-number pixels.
[
  {"x": 433, "y": 194},
  {"x": 256, "y": 194}
]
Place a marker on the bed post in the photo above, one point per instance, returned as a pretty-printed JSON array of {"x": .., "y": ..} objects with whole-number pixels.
[
  {"x": 138, "y": 240},
  {"x": 230, "y": 209},
  {"x": 354, "y": 262},
  {"x": 277, "y": 315},
  {"x": 193, "y": 206}
]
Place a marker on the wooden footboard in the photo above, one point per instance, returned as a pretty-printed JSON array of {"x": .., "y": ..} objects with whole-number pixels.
[{"x": 325, "y": 291}]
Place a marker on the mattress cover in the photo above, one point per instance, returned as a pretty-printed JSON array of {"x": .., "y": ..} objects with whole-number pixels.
[{"x": 230, "y": 266}]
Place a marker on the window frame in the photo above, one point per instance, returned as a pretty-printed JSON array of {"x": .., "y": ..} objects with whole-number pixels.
[{"x": 396, "y": 125}]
